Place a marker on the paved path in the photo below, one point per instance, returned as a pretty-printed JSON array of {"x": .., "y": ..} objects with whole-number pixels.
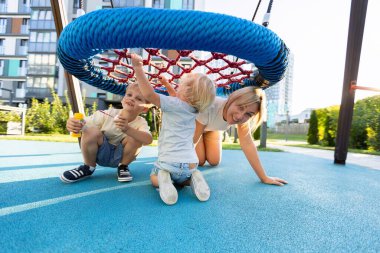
[{"x": 369, "y": 161}]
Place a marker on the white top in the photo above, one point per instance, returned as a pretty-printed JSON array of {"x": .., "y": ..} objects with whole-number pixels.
[
  {"x": 106, "y": 124},
  {"x": 212, "y": 118},
  {"x": 175, "y": 143}
]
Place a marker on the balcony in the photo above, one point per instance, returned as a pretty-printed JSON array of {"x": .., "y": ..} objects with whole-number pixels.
[
  {"x": 24, "y": 8},
  {"x": 42, "y": 24},
  {"x": 3, "y": 28},
  {"x": 48, "y": 47},
  {"x": 3, "y": 8},
  {"x": 22, "y": 71},
  {"x": 38, "y": 93},
  {"x": 42, "y": 70},
  {"x": 22, "y": 50},
  {"x": 40, "y": 3},
  {"x": 24, "y": 29}
]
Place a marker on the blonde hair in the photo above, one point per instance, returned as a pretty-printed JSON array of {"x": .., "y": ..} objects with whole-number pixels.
[
  {"x": 247, "y": 96},
  {"x": 199, "y": 91}
]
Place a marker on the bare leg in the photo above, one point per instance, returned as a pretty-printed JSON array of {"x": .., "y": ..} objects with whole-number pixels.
[
  {"x": 130, "y": 151},
  {"x": 213, "y": 147},
  {"x": 91, "y": 139},
  {"x": 154, "y": 180}
]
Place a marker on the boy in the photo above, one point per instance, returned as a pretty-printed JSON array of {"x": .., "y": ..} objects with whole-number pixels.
[{"x": 112, "y": 138}]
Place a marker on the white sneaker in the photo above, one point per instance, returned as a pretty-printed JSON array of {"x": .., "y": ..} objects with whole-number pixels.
[
  {"x": 199, "y": 186},
  {"x": 168, "y": 192}
]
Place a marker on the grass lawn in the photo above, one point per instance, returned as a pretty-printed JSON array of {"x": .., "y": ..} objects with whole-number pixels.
[{"x": 68, "y": 138}]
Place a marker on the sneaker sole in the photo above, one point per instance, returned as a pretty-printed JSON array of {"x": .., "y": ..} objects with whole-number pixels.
[
  {"x": 124, "y": 179},
  {"x": 199, "y": 197},
  {"x": 68, "y": 181},
  {"x": 171, "y": 188}
]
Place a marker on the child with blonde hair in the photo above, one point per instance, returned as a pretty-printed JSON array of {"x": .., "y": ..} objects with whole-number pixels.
[
  {"x": 111, "y": 138},
  {"x": 177, "y": 159}
]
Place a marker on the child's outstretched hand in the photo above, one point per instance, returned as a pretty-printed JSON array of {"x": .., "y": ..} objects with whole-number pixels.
[
  {"x": 167, "y": 85},
  {"x": 136, "y": 60},
  {"x": 122, "y": 123},
  {"x": 74, "y": 125}
]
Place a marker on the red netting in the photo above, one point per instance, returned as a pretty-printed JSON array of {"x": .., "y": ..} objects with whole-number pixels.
[{"x": 220, "y": 67}]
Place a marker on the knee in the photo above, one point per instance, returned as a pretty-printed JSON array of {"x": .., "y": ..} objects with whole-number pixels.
[
  {"x": 213, "y": 162},
  {"x": 91, "y": 134},
  {"x": 132, "y": 143},
  {"x": 201, "y": 162}
]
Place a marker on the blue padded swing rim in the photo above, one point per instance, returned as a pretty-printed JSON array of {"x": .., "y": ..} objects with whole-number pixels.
[{"x": 118, "y": 28}]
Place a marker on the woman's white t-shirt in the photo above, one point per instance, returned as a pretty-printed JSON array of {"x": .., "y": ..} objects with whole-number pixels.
[{"x": 212, "y": 118}]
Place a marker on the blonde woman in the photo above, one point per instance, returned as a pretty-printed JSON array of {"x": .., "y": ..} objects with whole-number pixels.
[{"x": 245, "y": 109}]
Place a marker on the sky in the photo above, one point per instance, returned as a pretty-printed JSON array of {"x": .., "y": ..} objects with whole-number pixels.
[{"x": 316, "y": 32}]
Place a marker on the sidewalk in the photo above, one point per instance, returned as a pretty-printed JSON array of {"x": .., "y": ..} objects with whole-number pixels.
[{"x": 369, "y": 161}]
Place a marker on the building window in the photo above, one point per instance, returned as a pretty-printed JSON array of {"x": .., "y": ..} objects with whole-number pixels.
[
  {"x": 188, "y": 4},
  {"x": 159, "y": 4},
  {"x": 23, "y": 43},
  {"x": 20, "y": 85},
  {"x": 42, "y": 15},
  {"x": 35, "y": 15},
  {"x": 22, "y": 64},
  {"x": 76, "y": 4},
  {"x": 25, "y": 21},
  {"x": 48, "y": 16}
]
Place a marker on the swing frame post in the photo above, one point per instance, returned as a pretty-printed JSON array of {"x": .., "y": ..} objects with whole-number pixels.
[
  {"x": 354, "y": 45},
  {"x": 73, "y": 87}
]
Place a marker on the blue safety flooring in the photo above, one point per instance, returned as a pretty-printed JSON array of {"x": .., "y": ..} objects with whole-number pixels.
[{"x": 324, "y": 208}]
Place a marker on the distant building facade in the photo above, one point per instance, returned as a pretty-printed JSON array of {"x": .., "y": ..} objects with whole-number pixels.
[{"x": 279, "y": 96}]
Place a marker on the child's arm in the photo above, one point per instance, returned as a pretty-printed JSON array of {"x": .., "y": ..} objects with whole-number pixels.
[
  {"x": 143, "y": 137},
  {"x": 146, "y": 89},
  {"x": 168, "y": 86},
  {"x": 250, "y": 152}
]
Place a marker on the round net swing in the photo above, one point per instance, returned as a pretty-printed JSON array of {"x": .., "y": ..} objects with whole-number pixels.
[{"x": 106, "y": 36}]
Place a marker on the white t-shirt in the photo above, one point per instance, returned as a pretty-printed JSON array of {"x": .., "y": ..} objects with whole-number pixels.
[
  {"x": 212, "y": 118},
  {"x": 175, "y": 143},
  {"x": 106, "y": 124}
]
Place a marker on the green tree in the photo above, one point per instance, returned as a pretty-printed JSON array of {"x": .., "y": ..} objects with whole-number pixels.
[
  {"x": 328, "y": 139},
  {"x": 312, "y": 135},
  {"x": 256, "y": 134}
]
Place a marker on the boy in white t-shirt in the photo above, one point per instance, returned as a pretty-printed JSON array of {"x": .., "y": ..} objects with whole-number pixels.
[
  {"x": 177, "y": 159},
  {"x": 111, "y": 138}
]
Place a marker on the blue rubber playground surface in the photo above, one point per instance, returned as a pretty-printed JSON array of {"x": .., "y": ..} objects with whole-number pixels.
[{"x": 324, "y": 208}]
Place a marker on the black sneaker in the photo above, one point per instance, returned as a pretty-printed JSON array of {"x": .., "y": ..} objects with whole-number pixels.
[
  {"x": 123, "y": 173},
  {"x": 80, "y": 173}
]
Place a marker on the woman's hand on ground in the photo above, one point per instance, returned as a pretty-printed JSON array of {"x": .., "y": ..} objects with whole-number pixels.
[{"x": 274, "y": 181}]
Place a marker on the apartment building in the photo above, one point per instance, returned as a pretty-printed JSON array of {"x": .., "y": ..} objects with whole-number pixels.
[
  {"x": 279, "y": 96},
  {"x": 14, "y": 38}
]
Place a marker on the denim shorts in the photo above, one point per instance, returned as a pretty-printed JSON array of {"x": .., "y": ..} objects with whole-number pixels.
[
  {"x": 179, "y": 172},
  {"x": 109, "y": 155}
]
